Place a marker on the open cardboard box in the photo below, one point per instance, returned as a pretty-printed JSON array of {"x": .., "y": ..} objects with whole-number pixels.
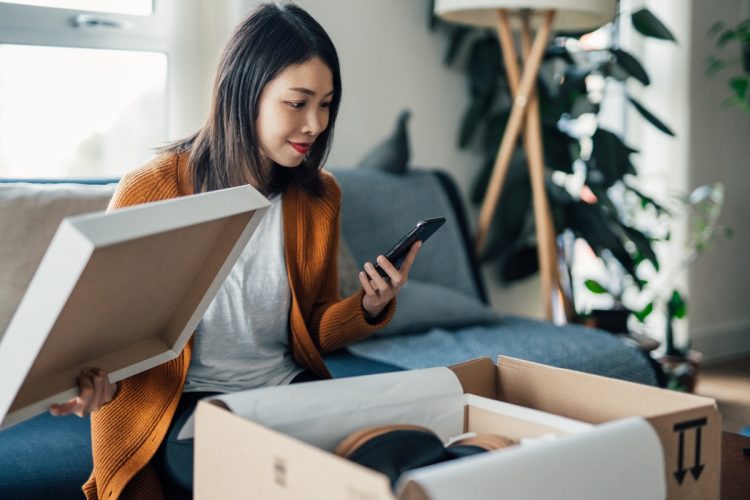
[
  {"x": 276, "y": 442},
  {"x": 122, "y": 291}
]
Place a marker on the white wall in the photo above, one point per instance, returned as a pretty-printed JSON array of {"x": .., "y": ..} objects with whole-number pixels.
[
  {"x": 719, "y": 149},
  {"x": 711, "y": 145}
]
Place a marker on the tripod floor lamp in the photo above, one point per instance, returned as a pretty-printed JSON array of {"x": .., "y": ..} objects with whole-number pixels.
[{"x": 524, "y": 116}]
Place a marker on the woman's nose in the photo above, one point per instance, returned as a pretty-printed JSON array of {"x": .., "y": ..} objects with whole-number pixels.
[{"x": 314, "y": 123}]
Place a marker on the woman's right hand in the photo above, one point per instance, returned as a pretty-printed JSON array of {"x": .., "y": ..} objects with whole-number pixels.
[{"x": 94, "y": 391}]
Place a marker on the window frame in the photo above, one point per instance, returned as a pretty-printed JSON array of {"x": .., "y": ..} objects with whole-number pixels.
[{"x": 34, "y": 25}]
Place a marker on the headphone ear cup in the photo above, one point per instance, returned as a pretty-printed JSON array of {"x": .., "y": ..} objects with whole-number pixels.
[
  {"x": 392, "y": 449},
  {"x": 478, "y": 444}
]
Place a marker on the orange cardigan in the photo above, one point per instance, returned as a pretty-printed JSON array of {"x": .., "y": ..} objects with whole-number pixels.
[{"x": 128, "y": 431}]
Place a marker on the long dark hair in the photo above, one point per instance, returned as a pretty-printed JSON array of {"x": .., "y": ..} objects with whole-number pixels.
[{"x": 225, "y": 151}]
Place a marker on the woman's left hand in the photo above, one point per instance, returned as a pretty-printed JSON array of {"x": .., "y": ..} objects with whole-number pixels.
[{"x": 378, "y": 290}]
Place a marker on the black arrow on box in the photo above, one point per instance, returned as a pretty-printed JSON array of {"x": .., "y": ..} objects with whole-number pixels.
[
  {"x": 680, "y": 472},
  {"x": 697, "y": 469}
]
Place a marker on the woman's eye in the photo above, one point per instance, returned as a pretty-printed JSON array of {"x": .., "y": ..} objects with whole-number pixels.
[
  {"x": 295, "y": 104},
  {"x": 325, "y": 105}
]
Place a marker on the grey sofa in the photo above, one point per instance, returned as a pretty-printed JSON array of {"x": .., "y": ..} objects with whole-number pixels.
[{"x": 443, "y": 316}]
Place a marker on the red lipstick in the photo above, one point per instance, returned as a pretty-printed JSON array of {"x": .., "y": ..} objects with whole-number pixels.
[{"x": 301, "y": 147}]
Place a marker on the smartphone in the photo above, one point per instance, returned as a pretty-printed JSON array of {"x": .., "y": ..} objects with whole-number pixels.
[{"x": 422, "y": 230}]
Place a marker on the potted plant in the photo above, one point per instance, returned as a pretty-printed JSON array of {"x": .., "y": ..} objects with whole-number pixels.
[
  {"x": 590, "y": 179},
  {"x": 662, "y": 296},
  {"x": 736, "y": 37}
]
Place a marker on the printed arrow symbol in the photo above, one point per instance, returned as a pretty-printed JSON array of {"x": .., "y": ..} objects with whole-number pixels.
[
  {"x": 697, "y": 469},
  {"x": 680, "y": 474}
]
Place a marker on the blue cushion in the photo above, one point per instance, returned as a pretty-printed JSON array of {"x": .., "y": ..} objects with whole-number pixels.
[
  {"x": 422, "y": 306},
  {"x": 378, "y": 208},
  {"x": 573, "y": 346}
]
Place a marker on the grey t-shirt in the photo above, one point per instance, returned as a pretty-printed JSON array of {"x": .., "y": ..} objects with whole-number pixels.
[{"x": 242, "y": 342}]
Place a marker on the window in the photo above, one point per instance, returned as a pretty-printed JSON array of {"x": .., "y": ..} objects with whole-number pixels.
[
  {"x": 138, "y": 7},
  {"x": 82, "y": 93}
]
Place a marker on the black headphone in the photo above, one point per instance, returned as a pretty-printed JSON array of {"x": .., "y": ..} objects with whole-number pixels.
[{"x": 394, "y": 449}]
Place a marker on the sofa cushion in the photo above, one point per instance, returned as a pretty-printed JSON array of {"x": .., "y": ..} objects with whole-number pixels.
[
  {"x": 378, "y": 208},
  {"x": 572, "y": 346},
  {"x": 422, "y": 306},
  {"x": 29, "y": 216}
]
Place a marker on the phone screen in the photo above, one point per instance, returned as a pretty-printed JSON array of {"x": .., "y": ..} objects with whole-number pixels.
[{"x": 421, "y": 231}]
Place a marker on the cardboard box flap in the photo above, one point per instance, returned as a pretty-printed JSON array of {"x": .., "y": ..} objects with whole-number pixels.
[
  {"x": 618, "y": 460},
  {"x": 122, "y": 291},
  {"x": 478, "y": 376},
  {"x": 430, "y": 397},
  {"x": 279, "y": 466},
  {"x": 586, "y": 397}
]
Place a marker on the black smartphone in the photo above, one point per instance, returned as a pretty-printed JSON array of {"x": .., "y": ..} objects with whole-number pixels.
[{"x": 422, "y": 230}]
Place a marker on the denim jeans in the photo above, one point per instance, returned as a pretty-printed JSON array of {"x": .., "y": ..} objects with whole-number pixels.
[
  {"x": 45, "y": 457},
  {"x": 174, "y": 459},
  {"x": 50, "y": 457}
]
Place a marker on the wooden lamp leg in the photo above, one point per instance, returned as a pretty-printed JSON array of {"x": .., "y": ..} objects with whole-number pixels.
[
  {"x": 562, "y": 308},
  {"x": 523, "y": 95},
  {"x": 512, "y": 129}
]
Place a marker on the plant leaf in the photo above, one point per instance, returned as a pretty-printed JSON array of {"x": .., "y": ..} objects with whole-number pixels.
[
  {"x": 649, "y": 25},
  {"x": 643, "y": 243},
  {"x": 558, "y": 51},
  {"x": 610, "y": 156},
  {"x": 613, "y": 69},
  {"x": 676, "y": 306},
  {"x": 716, "y": 28},
  {"x": 592, "y": 223},
  {"x": 432, "y": 19},
  {"x": 493, "y": 132},
  {"x": 583, "y": 105},
  {"x": 470, "y": 124},
  {"x": 646, "y": 200},
  {"x": 643, "y": 313},
  {"x": 512, "y": 215},
  {"x": 714, "y": 65},
  {"x": 595, "y": 287},
  {"x": 557, "y": 148},
  {"x": 739, "y": 86},
  {"x": 650, "y": 117},
  {"x": 484, "y": 65},
  {"x": 572, "y": 87},
  {"x": 603, "y": 199},
  {"x": 726, "y": 37},
  {"x": 482, "y": 179},
  {"x": 457, "y": 35},
  {"x": 631, "y": 65}
]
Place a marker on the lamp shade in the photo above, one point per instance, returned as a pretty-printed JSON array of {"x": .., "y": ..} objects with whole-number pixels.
[{"x": 573, "y": 15}]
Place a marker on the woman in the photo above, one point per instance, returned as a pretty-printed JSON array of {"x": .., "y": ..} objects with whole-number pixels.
[{"x": 275, "y": 100}]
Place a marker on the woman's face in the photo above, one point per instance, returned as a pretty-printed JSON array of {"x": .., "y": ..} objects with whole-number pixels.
[{"x": 293, "y": 112}]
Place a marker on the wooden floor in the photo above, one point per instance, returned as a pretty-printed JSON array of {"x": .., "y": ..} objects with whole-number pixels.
[{"x": 729, "y": 383}]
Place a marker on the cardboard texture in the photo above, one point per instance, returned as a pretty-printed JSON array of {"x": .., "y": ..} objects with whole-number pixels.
[
  {"x": 227, "y": 446},
  {"x": 122, "y": 291},
  {"x": 688, "y": 426},
  {"x": 616, "y": 440}
]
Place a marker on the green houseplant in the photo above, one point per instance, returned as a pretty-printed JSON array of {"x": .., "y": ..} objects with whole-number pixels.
[
  {"x": 735, "y": 39},
  {"x": 663, "y": 296},
  {"x": 590, "y": 177}
]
